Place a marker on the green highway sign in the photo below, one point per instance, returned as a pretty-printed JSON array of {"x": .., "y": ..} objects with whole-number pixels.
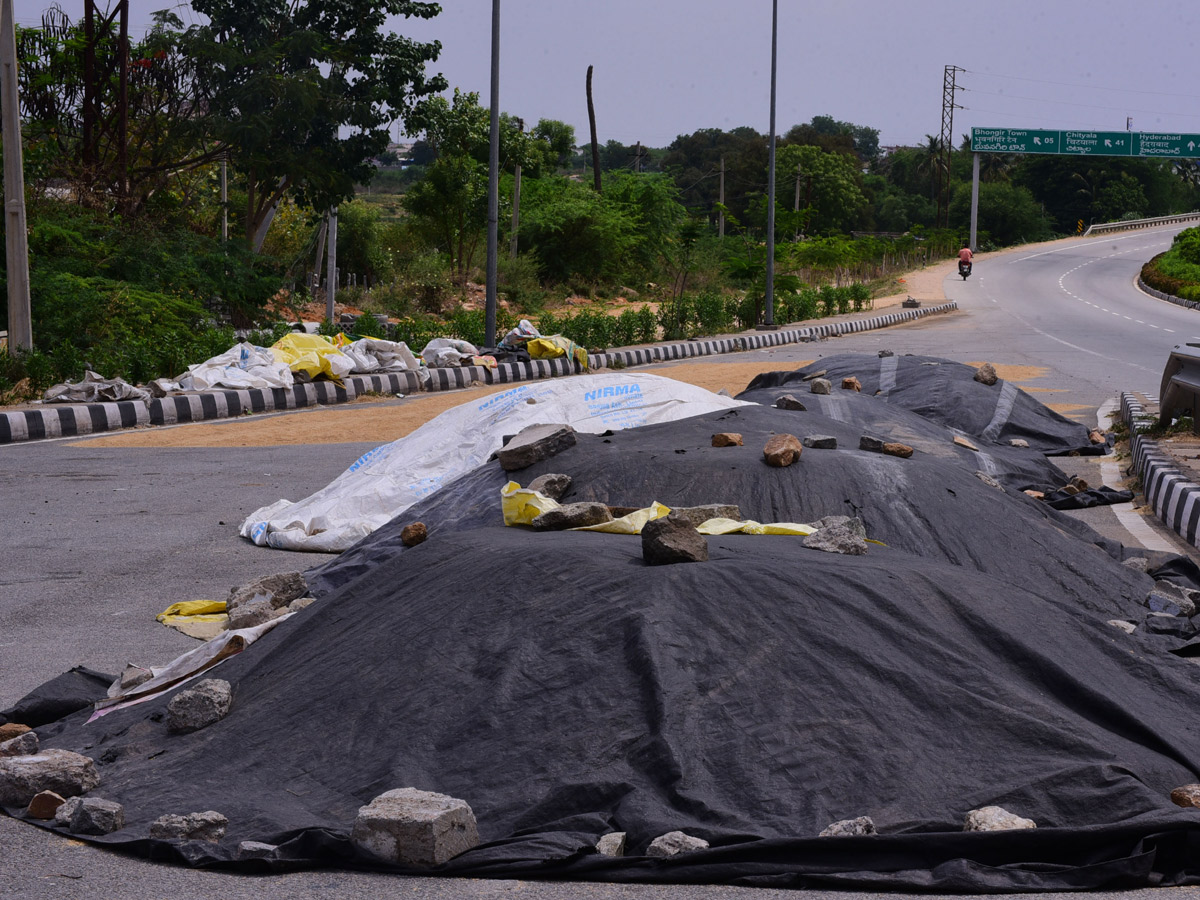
[{"x": 1086, "y": 143}]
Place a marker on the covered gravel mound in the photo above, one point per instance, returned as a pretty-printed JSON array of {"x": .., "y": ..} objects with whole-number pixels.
[{"x": 565, "y": 689}]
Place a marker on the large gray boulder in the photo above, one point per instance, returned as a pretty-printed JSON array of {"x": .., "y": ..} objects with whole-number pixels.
[
  {"x": 92, "y": 815},
  {"x": 672, "y": 539},
  {"x": 200, "y": 826},
  {"x": 190, "y": 710},
  {"x": 415, "y": 828},
  {"x": 24, "y": 777},
  {"x": 279, "y": 590},
  {"x": 673, "y": 843},
  {"x": 863, "y": 825},
  {"x": 22, "y": 745},
  {"x": 572, "y": 515},
  {"x": 995, "y": 818},
  {"x": 533, "y": 444}
]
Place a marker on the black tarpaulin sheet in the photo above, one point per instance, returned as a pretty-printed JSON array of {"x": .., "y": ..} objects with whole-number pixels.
[
  {"x": 564, "y": 689},
  {"x": 941, "y": 391}
]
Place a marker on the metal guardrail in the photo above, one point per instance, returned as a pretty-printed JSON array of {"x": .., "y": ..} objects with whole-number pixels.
[
  {"x": 1134, "y": 224},
  {"x": 1179, "y": 391}
]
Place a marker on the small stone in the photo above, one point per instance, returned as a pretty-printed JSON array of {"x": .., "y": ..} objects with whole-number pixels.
[
  {"x": 255, "y": 850},
  {"x": 672, "y": 539},
  {"x": 986, "y": 374},
  {"x": 821, "y": 386},
  {"x": 893, "y": 448},
  {"x": 851, "y": 383},
  {"x": 279, "y": 589},
  {"x": 1097, "y": 437},
  {"x": 698, "y": 515},
  {"x": 820, "y": 442},
  {"x": 24, "y": 777},
  {"x": 1186, "y": 795},
  {"x": 44, "y": 805},
  {"x": 133, "y": 675},
  {"x": 208, "y": 702},
  {"x": 414, "y": 534},
  {"x": 553, "y": 485},
  {"x": 22, "y": 745},
  {"x": 727, "y": 439},
  {"x": 1127, "y": 627},
  {"x": 787, "y": 401},
  {"x": 782, "y": 450},
  {"x": 870, "y": 444},
  {"x": 886, "y": 353},
  {"x": 301, "y": 603},
  {"x": 1078, "y": 483},
  {"x": 963, "y": 442},
  {"x": 248, "y": 615},
  {"x": 572, "y": 515},
  {"x": 611, "y": 844},
  {"x": 673, "y": 843},
  {"x": 1036, "y": 495},
  {"x": 1069, "y": 489},
  {"x": 812, "y": 376},
  {"x": 836, "y": 539},
  {"x": 995, "y": 818},
  {"x": 850, "y": 828},
  {"x": 62, "y": 815},
  {"x": 95, "y": 816},
  {"x": 1137, "y": 563},
  {"x": 1019, "y": 442},
  {"x": 989, "y": 480},
  {"x": 415, "y": 828},
  {"x": 854, "y": 523},
  {"x": 12, "y": 730},
  {"x": 1168, "y": 595},
  {"x": 200, "y": 826},
  {"x": 533, "y": 444}
]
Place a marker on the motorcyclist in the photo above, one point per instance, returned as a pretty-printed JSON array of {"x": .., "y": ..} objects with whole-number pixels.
[{"x": 965, "y": 255}]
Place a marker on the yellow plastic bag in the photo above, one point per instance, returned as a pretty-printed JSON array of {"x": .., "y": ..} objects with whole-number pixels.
[
  {"x": 313, "y": 355},
  {"x": 193, "y": 611},
  {"x": 521, "y": 505},
  {"x": 554, "y": 346},
  {"x": 632, "y": 523}
]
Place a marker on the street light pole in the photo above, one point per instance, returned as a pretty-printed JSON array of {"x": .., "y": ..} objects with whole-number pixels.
[
  {"x": 493, "y": 182},
  {"x": 20, "y": 321},
  {"x": 769, "y": 294}
]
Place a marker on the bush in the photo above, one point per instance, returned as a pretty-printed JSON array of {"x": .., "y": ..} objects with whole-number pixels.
[
  {"x": 829, "y": 300},
  {"x": 518, "y": 280},
  {"x": 861, "y": 295},
  {"x": 647, "y": 325}
]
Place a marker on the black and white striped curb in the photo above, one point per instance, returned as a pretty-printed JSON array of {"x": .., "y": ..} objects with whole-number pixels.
[
  {"x": 1163, "y": 295},
  {"x": 1174, "y": 498},
  {"x": 70, "y": 421}
]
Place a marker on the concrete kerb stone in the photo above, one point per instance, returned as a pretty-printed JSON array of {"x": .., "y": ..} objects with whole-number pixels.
[
  {"x": 74, "y": 420},
  {"x": 1174, "y": 498}
]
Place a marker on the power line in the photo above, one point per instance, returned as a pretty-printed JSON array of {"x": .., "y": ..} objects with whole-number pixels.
[
  {"x": 1094, "y": 87},
  {"x": 1148, "y": 112}
]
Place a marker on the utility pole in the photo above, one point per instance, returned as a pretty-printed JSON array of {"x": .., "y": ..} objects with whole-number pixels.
[
  {"x": 123, "y": 106},
  {"x": 796, "y": 205},
  {"x": 721, "y": 195},
  {"x": 637, "y": 157},
  {"x": 769, "y": 298},
  {"x": 516, "y": 216},
  {"x": 493, "y": 183},
  {"x": 225, "y": 198},
  {"x": 949, "y": 89},
  {"x": 16, "y": 244},
  {"x": 331, "y": 293}
]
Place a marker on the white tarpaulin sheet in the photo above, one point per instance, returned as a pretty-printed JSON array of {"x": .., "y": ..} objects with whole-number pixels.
[{"x": 391, "y": 478}]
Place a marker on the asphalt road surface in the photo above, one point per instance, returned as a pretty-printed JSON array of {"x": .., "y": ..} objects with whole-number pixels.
[{"x": 96, "y": 541}]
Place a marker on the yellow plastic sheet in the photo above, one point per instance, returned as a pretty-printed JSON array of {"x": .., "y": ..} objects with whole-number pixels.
[
  {"x": 732, "y": 526},
  {"x": 310, "y": 354},
  {"x": 554, "y": 346},
  {"x": 193, "y": 611},
  {"x": 632, "y": 523}
]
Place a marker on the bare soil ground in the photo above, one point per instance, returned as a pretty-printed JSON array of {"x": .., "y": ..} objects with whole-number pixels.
[{"x": 385, "y": 419}]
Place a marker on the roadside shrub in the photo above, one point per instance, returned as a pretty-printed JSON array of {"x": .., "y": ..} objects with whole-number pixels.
[
  {"x": 625, "y": 331},
  {"x": 518, "y": 280},
  {"x": 647, "y": 325},
  {"x": 711, "y": 314},
  {"x": 861, "y": 295},
  {"x": 829, "y": 300}
]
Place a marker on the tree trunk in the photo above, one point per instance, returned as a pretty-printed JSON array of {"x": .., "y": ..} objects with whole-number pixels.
[{"x": 592, "y": 123}]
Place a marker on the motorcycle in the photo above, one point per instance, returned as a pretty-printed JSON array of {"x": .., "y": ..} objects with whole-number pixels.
[{"x": 964, "y": 268}]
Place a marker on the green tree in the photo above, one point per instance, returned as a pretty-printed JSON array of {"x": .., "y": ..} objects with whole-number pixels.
[
  {"x": 573, "y": 232},
  {"x": 831, "y": 198},
  {"x": 302, "y": 92}
]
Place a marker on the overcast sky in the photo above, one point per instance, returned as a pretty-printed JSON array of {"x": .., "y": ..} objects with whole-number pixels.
[{"x": 670, "y": 67}]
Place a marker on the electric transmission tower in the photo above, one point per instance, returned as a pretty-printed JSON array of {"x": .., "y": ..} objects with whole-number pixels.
[{"x": 949, "y": 87}]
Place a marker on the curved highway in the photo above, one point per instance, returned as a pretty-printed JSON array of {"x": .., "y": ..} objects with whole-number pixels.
[{"x": 1074, "y": 308}]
